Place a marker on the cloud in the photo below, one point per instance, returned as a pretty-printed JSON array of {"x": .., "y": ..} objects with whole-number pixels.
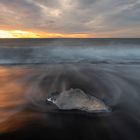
[
  {"x": 48, "y": 3},
  {"x": 113, "y": 18}
]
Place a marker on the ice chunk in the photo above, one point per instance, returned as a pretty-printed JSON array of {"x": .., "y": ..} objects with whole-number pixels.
[{"x": 77, "y": 99}]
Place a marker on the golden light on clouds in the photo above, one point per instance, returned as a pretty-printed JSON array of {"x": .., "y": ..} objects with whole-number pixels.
[
  {"x": 30, "y": 34},
  {"x": 17, "y": 34},
  {"x": 5, "y": 34}
]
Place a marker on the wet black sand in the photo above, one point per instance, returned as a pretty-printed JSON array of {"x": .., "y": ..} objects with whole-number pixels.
[{"x": 25, "y": 115}]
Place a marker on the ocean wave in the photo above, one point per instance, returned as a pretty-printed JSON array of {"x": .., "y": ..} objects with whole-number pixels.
[{"x": 57, "y": 55}]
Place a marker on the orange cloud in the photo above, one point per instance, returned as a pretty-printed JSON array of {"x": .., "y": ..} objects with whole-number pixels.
[{"x": 30, "y": 34}]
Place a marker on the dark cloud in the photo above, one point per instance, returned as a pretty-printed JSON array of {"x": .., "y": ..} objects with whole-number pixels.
[
  {"x": 112, "y": 17},
  {"x": 18, "y": 12}
]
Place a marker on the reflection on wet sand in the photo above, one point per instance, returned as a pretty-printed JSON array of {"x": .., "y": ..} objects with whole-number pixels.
[
  {"x": 11, "y": 92},
  {"x": 17, "y": 120},
  {"x": 11, "y": 96}
]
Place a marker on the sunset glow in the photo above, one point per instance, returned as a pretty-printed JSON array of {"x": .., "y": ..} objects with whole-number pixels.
[
  {"x": 5, "y": 34},
  {"x": 69, "y": 19},
  {"x": 29, "y": 34}
]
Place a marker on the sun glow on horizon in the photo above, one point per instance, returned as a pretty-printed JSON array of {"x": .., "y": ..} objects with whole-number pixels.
[
  {"x": 5, "y": 34},
  {"x": 30, "y": 34}
]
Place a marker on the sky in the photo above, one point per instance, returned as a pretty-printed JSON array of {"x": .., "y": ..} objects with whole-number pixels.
[{"x": 69, "y": 18}]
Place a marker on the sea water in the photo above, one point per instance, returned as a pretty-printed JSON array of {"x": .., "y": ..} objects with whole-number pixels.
[{"x": 108, "y": 69}]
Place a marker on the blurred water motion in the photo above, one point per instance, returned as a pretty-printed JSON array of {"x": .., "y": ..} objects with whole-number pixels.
[
  {"x": 105, "y": 68},
  {"x": 24, "y": 113}
]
